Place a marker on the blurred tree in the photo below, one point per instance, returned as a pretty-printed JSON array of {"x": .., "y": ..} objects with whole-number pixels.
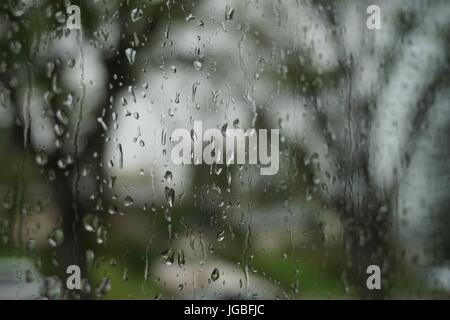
[{"x": 370, "y": 109}]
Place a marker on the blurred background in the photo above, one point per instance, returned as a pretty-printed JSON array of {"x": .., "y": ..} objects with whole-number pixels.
[{"x": 86, "y": 176}]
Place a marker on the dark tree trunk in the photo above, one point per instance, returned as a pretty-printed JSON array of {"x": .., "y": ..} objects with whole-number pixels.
[{"x": 367, "y": 234}]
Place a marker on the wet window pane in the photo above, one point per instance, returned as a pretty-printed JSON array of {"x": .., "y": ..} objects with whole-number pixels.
[{"x": 224, "y": 149}]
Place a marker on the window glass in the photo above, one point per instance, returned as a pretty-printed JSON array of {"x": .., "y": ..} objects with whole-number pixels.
[{"x": 224, "y": 149}]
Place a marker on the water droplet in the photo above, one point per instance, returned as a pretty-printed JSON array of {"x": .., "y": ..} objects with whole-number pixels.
[
  {"x": 131, "y": 55},
  {"x": 119, "y": 147},
  {"x": 170, "y": 195},
  {"x": 56, "y": 237},
  {"x": 62, "y": 117},
  {"x": 197, "y": 65},
  {"x": 62, "y": 163},
  {"x": 90, "y": 223},
  {"x": 136, "y": 14},
  {"x": 128, "y": 201},
  {"x": 229, "y": 13},
  {"x": 15, "y": 46},
  {"x": 221, "y": 236},
  {"x": 29, "y": 276},
  {"x": 224, "y": 129},
  {"x": 71, "y": 63},
  {"x": 90, "y": 256},
  {"x": 8, "y": 200},
  {"x": 41, "y": 158},
  {"x": 168, "y": 176},
  {"x": 163, "y": 136},
  {"x": 215, "y": 274},
  {"x": 59, "y": 130},
  {"x": 104, "y": 286},
  {"x": 112, "y": 210},
  {"x": 52, "y": 288},
  {"x": 168, "y": 257},
  {"x": 30, "y": 246},
  {"x": 101, "y": 235},
  {"x": 193, "y": 135},
  {"x": 181, "y": 258},
  {"x": 17, "y": 7},
  {"x": 194, "y": 89}
]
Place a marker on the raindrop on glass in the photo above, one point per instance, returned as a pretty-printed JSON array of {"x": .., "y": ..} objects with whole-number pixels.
[
  {"x": 197, "y": 65},
  {"x": 168, "y": 176},
  {"x": 221, "y": 236},
  {"x": 215, "y": 274},
  {"x": 170, "y": 195},
  {"x": 136, "y": 14},
  {"x": 131, "y": 55},
  {"x": 168, "y": 257},
  {"x": 56, "y": 238},
  {"x": 128, "y": 201}
]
